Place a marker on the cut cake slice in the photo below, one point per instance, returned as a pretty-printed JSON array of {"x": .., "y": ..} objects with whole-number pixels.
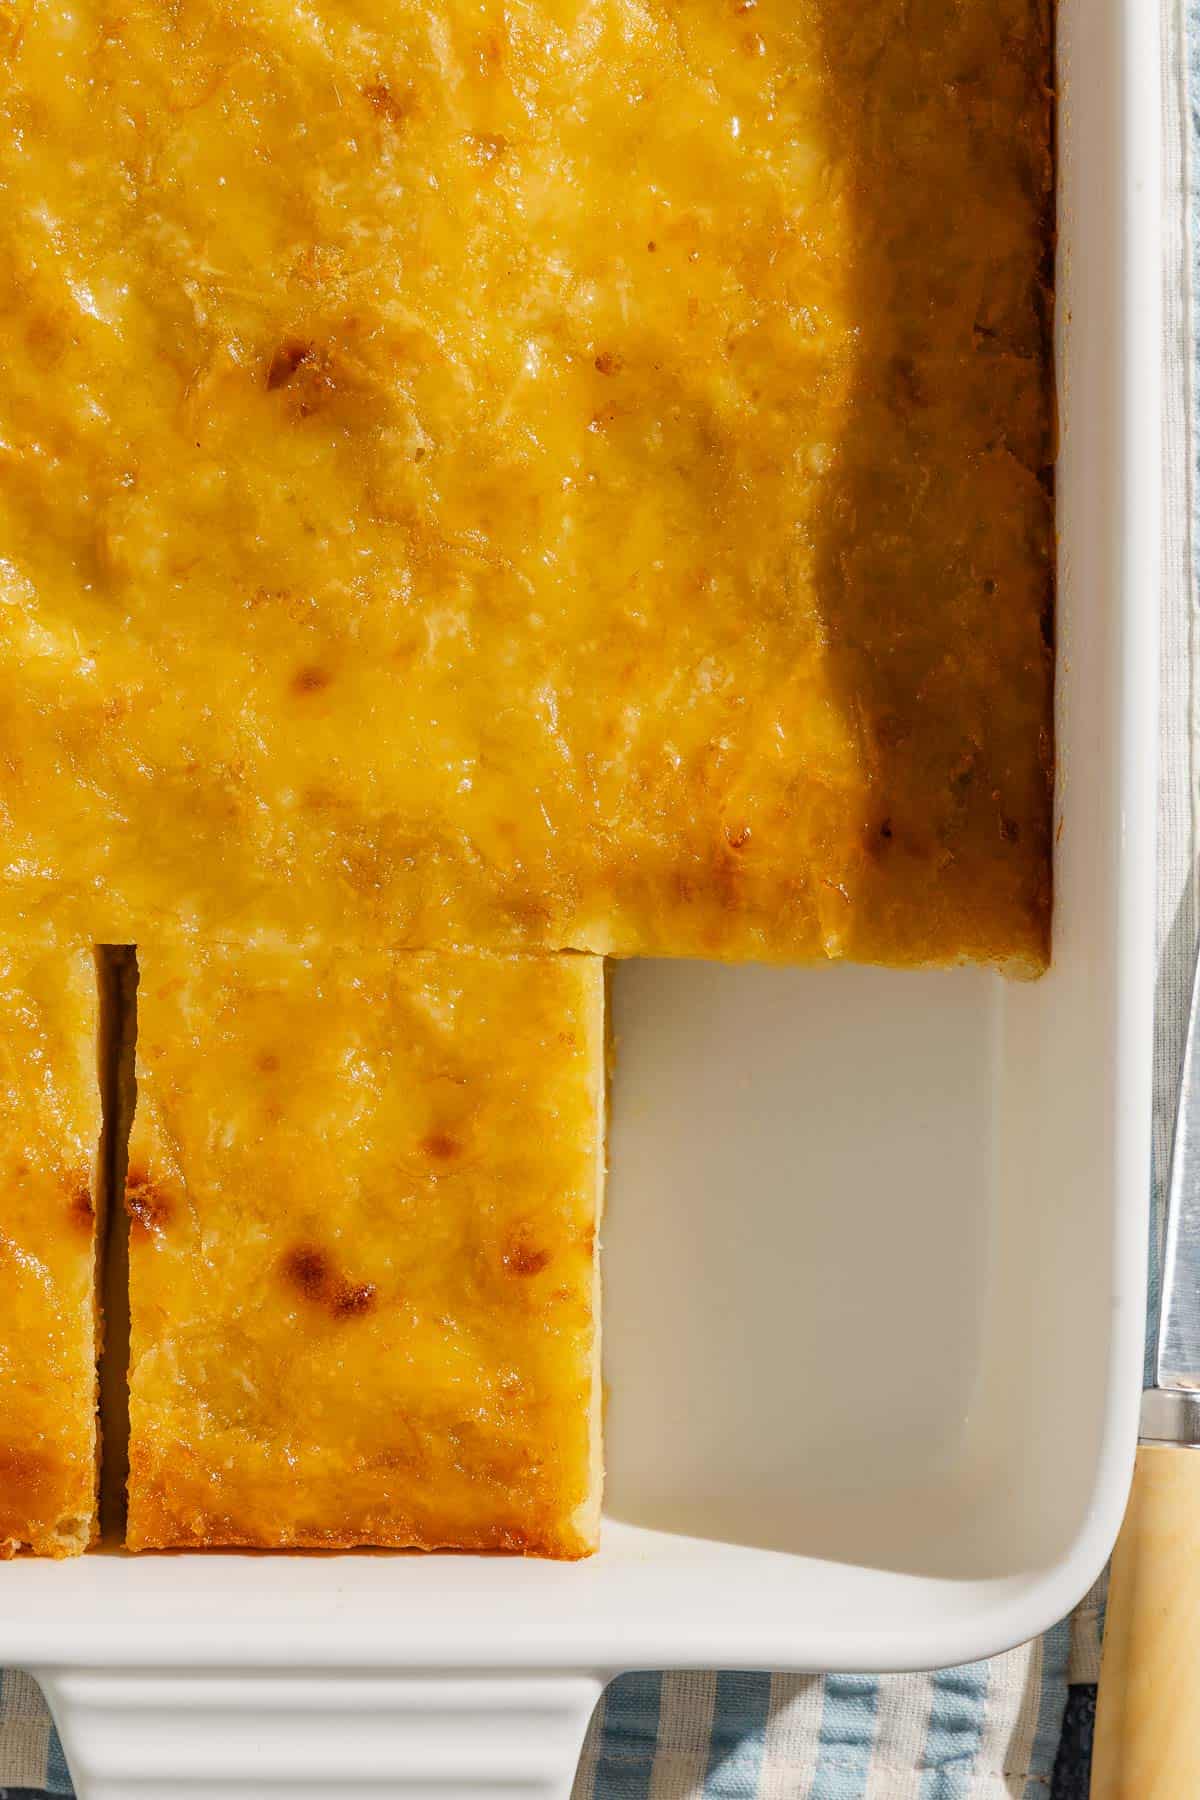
[{"x": 363, "y": 1195}]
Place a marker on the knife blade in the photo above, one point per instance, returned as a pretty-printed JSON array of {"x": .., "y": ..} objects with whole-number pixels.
[{"x": 1171, "y": 1405}]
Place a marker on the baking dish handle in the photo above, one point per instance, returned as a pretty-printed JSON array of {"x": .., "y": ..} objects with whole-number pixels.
[{"x": 224, "y": 1734}]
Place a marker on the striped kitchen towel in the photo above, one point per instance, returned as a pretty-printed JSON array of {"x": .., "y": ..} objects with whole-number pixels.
[
  {"x": 989, "y": 1731},
  {"x": 31, "y": 1758}
]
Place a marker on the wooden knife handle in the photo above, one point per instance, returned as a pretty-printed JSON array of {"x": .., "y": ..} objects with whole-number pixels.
[{"x": 1147, "y": 1744}]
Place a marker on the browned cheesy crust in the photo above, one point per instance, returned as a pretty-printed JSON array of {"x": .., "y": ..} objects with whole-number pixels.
[
  {"x": 363, "y": 1197},
  {"x": 49, "y": 1199},
  {"x": 532, "y": 476}
]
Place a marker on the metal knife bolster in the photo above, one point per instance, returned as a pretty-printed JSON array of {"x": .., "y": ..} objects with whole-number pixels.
[
  {"x": 1170, "y": 1416},
  {"x": 1171, "y": 1408}
]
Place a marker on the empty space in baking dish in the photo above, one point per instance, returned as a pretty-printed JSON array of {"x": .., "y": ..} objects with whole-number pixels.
[
  {"x": 839, "y": 1224},
  {"x": 795, "y": 1248}
]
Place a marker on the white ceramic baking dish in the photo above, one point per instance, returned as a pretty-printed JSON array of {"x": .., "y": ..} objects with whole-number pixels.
[{"x": 874, "y": 1259}]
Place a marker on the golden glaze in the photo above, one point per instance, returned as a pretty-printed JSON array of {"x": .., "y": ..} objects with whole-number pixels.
[
  {"x": 569, "y": 473},
  {"x": 363, "y": 1196},
  {"x": 49, "y": 1146}
]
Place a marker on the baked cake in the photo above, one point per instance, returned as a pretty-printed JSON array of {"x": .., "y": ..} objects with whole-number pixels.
[
  {"x": 363, "y": 1196},
  {"x": 559, "y": 476},
  {"x": 50, "y": 1197},
  {"x": 482, "y": 483}
]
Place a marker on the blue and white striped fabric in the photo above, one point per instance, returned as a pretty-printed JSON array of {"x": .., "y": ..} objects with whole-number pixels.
[
  {"x": 31, "y": 1756},
  {"x": 981, "y": 1732},
  {"x": 989, "y": 1731}
]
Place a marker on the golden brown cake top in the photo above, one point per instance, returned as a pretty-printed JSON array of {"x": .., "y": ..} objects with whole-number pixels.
[
  {"x": 363, "y": 1196},
  {"x": 556, "y": 474},
  {"x": 49, "y": 1150}
]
